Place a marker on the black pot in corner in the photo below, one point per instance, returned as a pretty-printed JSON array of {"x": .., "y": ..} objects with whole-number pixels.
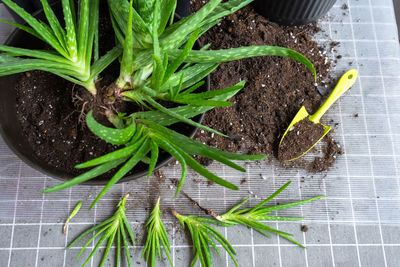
[
  {"x": 293, "y": 12},
  {"x": 10, "y": 128}
]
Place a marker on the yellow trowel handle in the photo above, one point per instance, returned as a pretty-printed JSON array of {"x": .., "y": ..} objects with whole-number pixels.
[{"x": 344, "y": 84}]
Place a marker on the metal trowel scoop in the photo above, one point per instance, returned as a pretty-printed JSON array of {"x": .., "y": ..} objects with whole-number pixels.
[{"x": 344, "y": 84}]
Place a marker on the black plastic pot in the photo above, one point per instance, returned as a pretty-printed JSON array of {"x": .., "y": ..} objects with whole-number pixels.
[
  {"x": 293, "y": 12},
  {"x": 11, "y": 131}
]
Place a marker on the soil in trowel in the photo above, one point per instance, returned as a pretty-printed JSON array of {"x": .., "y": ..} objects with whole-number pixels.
[{"x": 299, "y": 139}]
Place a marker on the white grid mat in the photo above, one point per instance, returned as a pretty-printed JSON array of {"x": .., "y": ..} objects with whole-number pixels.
[{"x": 358, "y": 224}]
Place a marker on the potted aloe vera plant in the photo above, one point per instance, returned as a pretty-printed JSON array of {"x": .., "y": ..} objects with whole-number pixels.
[{"x": 158, "y": 76}]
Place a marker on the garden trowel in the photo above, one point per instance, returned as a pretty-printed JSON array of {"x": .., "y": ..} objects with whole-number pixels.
[{"x": 344, "y": 84}]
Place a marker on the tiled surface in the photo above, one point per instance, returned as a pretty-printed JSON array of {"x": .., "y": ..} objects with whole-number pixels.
[{"x": 358, "y": 224}]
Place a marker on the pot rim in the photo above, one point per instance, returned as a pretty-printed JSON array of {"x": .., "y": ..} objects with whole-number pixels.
[{"x": 66, "y": 177}]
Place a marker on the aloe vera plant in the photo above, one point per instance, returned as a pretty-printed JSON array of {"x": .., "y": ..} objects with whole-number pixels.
[
  {"x": 116, "y": 230},
  {"x": 74, "y": 46},
  {"x": 158, "y": 63}
]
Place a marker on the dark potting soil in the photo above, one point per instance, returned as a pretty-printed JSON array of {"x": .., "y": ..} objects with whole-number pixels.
[
  {"x": 299, "y": 139},
  {"x": 275, "y": 89}
]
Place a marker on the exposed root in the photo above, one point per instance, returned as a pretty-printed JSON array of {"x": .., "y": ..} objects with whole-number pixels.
[
  {"x": 82, "y": 115},
  {"x": 206, "y": 211},
  {"x": 194, "y": 202}
]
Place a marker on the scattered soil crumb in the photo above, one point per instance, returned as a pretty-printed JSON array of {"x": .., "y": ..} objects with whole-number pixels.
[
  {"x": 210, "y": 183},
  {"x": 243, "y": 181},
  {"x": 299, "y": 139},
  {"x": 356, "y": 115},
  {"x": 160, "y": 176},
  {"x": 345, "y": 6},
  {"x": 330, "y": 151},
  {"x": 304, "y": 228}
]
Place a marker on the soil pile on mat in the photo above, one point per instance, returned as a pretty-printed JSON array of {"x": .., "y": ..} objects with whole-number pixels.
[
  {"x": 275, "y": 89},
  {"x": 299, "y": 139}
]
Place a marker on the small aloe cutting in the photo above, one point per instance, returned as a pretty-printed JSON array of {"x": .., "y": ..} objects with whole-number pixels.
[
  {"x": 202, "y": 233},
  {"x": 203, "y": 236},
  {"x": 158, "y": 64},
  {"x": 116, "y": 230},
  {"x": 253, "y": 217},
  {"x": 156, "y": 236}
]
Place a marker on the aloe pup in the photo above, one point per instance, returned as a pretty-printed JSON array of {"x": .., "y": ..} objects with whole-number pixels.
[
  {"x": 116, "y": 230},
  {"x": 204, "y": 236}
]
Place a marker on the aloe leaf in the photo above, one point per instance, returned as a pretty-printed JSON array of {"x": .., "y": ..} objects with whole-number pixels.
[
  {"x": 171, "y": 149},
  {"x": 54, "y": 23},
  {"x": 225, "y": 9},
  {"x": 84, "y": 19},
  {"x": 154, "y": 158},
  {"x": 142, "y": 151},
  {"x": 117, "y": 154},
  {"x": 172, "y": 135},
  {"x": 117, "y": 30},
  {"x": 19, "y": 65},
  {"x": 180, "y": 117},
  {"x": 293, "y": 241},
  {"x": 120, "y": 11},
  {"x": 110, "y": 135},
  {"x": 37, "y": 26},
  {"x": 275, "y": 194},
  {"x": 199, "y": 149},
  {"x": 192, "y": 75},
  {"x": 223, "y": 55},
  {"x": 192, "y": 88},
  {"x": 92, "y": 238},
  {"x": 202, "y": 102},
  {"x": 290, "y": 205},
  {"x": 191, "y": 24},
  {"x": 35, "y": 53},
  {"x": 70, "y": 28},
  {"x": 215, "y": 93},
  {"x": 24, "y": 28},
  {"x": 109, "y": 244},
  {"x": 203, "y": 171},
  {"x": 118, "y": 251},
  {"x": 92, "y": 229},
  {"x": 127, "y": 56},
  {"x": 66, "y": 77},
  {"x": 187, "y": 111},
  {"x": 93, "y": 34},
  {"x": 128, "y": 228},
  {"x": 128, "y": 258},
  {"x": 103, "y": 62},
  {"x": 278, "y": 218},
  {"x": 86, "y": 176},
  {"x": 167, "y": 14},
  {"x": 145, "y": 9},
  {"x": 156, "y": 13},
  {"x": 175, "y": 64},
  {"x": 101, "y": 241}
]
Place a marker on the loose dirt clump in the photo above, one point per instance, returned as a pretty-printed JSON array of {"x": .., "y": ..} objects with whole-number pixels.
[{"x": 275, "y": 89}]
